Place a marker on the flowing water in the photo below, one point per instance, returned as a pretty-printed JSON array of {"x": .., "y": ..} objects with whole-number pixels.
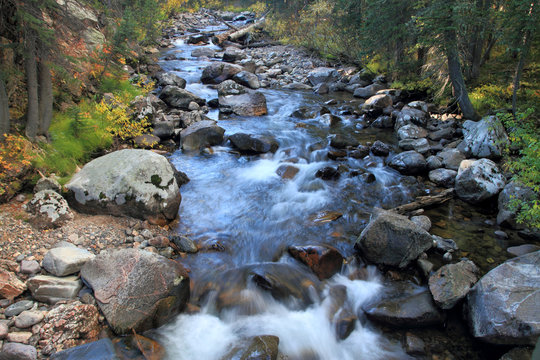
[{"x": 243, "y": 216}]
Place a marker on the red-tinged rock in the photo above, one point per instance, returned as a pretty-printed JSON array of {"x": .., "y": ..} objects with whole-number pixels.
[
  {"x": 287, "y": 171},
  {"x": 10, "y": 285},
  {"x": 324, "y": 261}
]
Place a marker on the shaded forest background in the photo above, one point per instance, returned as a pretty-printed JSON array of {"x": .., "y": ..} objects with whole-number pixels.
[{"x": 59, "y": 57}]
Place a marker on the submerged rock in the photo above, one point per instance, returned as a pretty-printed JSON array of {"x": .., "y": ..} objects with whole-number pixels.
[
  {"x": 324, "y": 261},
  {"x": 264, "y": 347},
  {"x": 503, "y": 305}
]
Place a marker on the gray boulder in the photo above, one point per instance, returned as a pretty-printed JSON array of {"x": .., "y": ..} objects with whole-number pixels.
[
  {"x": 511, "y": 192},
  {"x": 203, "y": 52},
  {"x": 233, "y": 54},
  {"x": 484, "y": 139},
  {"x": 322, "y": 75},
  {"x": 383, "y": 122},
  {"x": 62, "y": 261},
  {"x": 411, "y": 131},
  {"x": 163, "y": 130},
  {"x": 251, "y": 103},
  {"x": 408, "y": 162},
  {"x": 479, "y": 180},
  {"x": 169, "y": 79},
  {"x": 136, "y": 183},
  {"x": 503, "y": 305},
  {"x": 393, "y": 239},
  {"x": 379, "y": 101},
  {"x": 201, "y": 134},
  {"x": 48, "y": 210},
  {"x": 230, "y": 87},
  {"x": 451, "y": 158},
  {"x": 136, "y": 289},
  {"x": 179, "y": 98},
  {"x": 47, "y": 183},
  {"x": 253, "y": 144},
  {"x": 452, "y": 282},
  {"x": 434, "y": 162},
  {"x": 247, "y": 79},
  {"x": 443, "y": 177},
  {"x": 218, "y": 72},
  {"x": 51, "y": 289},
  {"x": 408, "y": 115},
  {"x": 419, "y": 145},
  {"x": 368, "y": 91}
]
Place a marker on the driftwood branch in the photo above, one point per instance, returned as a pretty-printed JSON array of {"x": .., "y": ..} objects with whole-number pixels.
[
  {"x": 236, "y": 35},
  {"x": 425, "y": 201}
]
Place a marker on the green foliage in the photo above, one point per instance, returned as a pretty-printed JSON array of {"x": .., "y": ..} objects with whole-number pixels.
[{"x": 525, "y": 139}]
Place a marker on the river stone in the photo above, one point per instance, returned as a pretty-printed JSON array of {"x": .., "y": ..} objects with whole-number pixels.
[
  {"x": 451, "y": 158},
  {"x": 136, "y": 289},
  {"x": 503, "y": 305},
  {"x": 28, "y": 318},
  {"x": 230, "y": 87},
  {"x": 322, "y": 75},
  {"x": 408, "y": 116},
  {"x": 233, "y": 54},
  {"x": 484, "y": 139},
  {"x": 452, "y": 282},
  {"x": 419, "y": 145},
  {"x": 379, "y": 101},
  {"x": 203, "y": 51},
  {"x": 179, "y": 98},
  {"x": 98, "y": 350},
  {"x": 434, "y": 162},
  {"x": 443, "y": 177},
  {"x": 62, "y": 261},
  {"x": 16, "y": 351},
  {"x": 218, "y": 72},
  {"x": 264, "y": 347},
  {"x": 329, "y": 119},
  {"x": 520, "y": 249},
  {"x": 478, "y": 181},
  {"x": 408, "y": 162},
  {"x": 10, "y": 285},
  {"x": 4, "y": 328},
  {"x": 47, "y": 183},
  {"x": 136, "y": 183},
  {"x": 163, "y": 130},
  {"x": 511, "y": 192},
  {"x": 324, "y": 261},
  {"x": 201, "y": 134},
  {"x": 393, "y": 239},
  {"x": 49, "y": 210},
  {"x": 383, "y": 122},
  {"x": 342, "y": 141},
  {"x": 297, "y": 86},
  {"x": 166, "y": 78},
  {"x": 251, "y": 103},
  {"x": 423, "y": 221},
  {"x": 18, "y": 307},
  {"x": 247, "y": 79},
  {"x": 184, "y": 243},
  {"x": 404, "y": 304},
  {"x": 368, "y": 91},
  {"x": 445, "y": 133},
  {"x": 380, "y": 149},
  {"x": 411, "y": 131},
  {"x": 51, "y": 289},
  {"x": 253, "y": 144}
]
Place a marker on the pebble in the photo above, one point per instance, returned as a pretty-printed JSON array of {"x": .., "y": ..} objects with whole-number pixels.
[
  {"x": 501, "y": 234},
  {"x": 28, "y": 319},
  {"x": 20, "y": 198},
  {"x": 19, "y": 351},
  {"x": 20, "y": 258},
  {"x": 22, "y": 337},
  {"x": 18, "y": 307},
  {"x": 447, "y": 256},
  {"x": 30, "y": 267},
  {"x": 147, "y": 234}
]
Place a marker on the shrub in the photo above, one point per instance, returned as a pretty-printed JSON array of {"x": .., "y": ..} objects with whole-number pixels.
[{"x": 16, "y": 154}]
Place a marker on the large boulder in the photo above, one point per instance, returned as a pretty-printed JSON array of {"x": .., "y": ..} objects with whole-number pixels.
[
  {"x": 393, "y": 239},
  {"x": 218, "y": 72},
  {"x": 503, "y": 305},
  {"x": 408, "y": 115},
  {"x": 484, "y": 139},
  {"x": 136, "y": 183},
  {"x": 264, "y": 347},
  {"x": 49, "y": 210},
  {"x": 452, "y": 282},
  {"x": 233, "y": 54},
  {"x": 411, "y": 131},
  {"x": 379, "y": 101},
  {"x": 247, "y": 79},
  {"x": 513, "y": 191},
  {"x": 136, "y": 289},
  {"x": 201, "y": 134},
  {"x": 322, "y": 75},
  {"x": 408, "y": 162},
  {"x": 251, "y": 103},
  {"x": 368, "y": 91},
  {"x": 203, "y": 52},
  {"x": 230, "y": 87},
  {"x": 166, "y": 78},
  {"x": 179, "y": 98},
  {"x": 253, "y": 144},
  {"x": 479, "y": 180}
]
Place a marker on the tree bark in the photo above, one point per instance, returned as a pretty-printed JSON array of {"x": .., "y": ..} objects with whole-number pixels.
[
  {"x": 4, "y": 111},
  {"x": 519, "y": 70},
  {"x": 45, "y": 98},
  {"x": 30, "y": 65},
  {"x": 425, "y": 201}
]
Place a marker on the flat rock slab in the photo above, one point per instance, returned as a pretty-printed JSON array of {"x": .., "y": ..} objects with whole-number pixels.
[
  {"x": 51, "y": 289},
  {"x": 62, "y": 261}
]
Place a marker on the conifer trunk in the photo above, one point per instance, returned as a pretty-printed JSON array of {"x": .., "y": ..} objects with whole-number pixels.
[
  {"x": 45, "y": 99},
  {"x": 30, "y": 65},
  {"x": 4, "y": 111}
]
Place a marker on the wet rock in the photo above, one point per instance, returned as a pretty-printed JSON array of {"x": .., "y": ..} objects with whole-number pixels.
[
  {"x": 179, "y": 98},
  {"x": 201, "y": 134},
  {"x": 404, "y": 304},
  {"x": 522, "y": 249},
  {"x": 69, "y": 325},
  {"x": 297, "y": 86},
  {"x": 184, "y": 243},
  {"x": 322, "y": 75},
  {"x": 368, "y": 91},
  {"x": 47, "y": 183},
  {"x": 383, "y": 122},
  {"x": 446, "y": 133},
  {"x": 10, "y": 285},
  {"x": 51, "y": 289},
  {"x": 419, "y": 145},
  {"x": 443, "y": 244},
  {"x": 425, "y": 266},
  {"x": 411, "y": 131},
  {"x": 434, "y": 162},
  {"x": 28, "y": 318},
  {"x": 379, "y": 101},
  {"x": 287, "y": 171},
  {"x": 408, "y": 162},
  {"x": 324, "y": 217},
  {"x": 163, "y": 130},
  {"x": 218, "y": 72},
  {"x": 233, "y": 54},
  {"x": 478, "y": 181},
  {"x": 452, "y": 282},
  {"x": 380, "y": 149},
  {"x": 48, "y": 210},
  {"x": 328, "y": 173},
  {"x": 251, "y": 103},
  {"x": 135, "y": 289},
  {"x": 443, "y": 177},
  {"x": 343, "y": 142},
  {"x": 18, "y": 351},
  {"x": 198, "y": 38},
  {"x": 62, "y": 261},
  {"x": 324, "y": 261},
  {"x": 484, "y": 139},
  {"x": 166, "y": 78},
  {"x": 230, "y": 87},
  {"x": 253, "y": 144},
  {"x": 408, "y": 115},
  {"x": 511, "y": 192},
  {"x": 330, "y": 119},
  {"x": 321, "y": 89},
  {"x": 451, "y": 158},
  {"x": 136, "y": 183},
  {"x": 337, "y": 155},
  {"x": 360, "y": 152},
  {"x": 18, "y": 307},
  {"x": 247, "y": 79},
  {"x": 263, "y": 347},
  {"x": 203, "y": 52},
  {"x": 98, "y": 350},
  {"x": 422, "y": 221},
  {"x": 345, "y": 324},
  {"x": 393, "y": 239},
  {"x": 503, "y": 305}
]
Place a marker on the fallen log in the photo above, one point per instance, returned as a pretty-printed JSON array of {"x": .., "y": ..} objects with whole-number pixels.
[
  {"x": 425, "y": 201},
  {"x": 232, "y": 35}
]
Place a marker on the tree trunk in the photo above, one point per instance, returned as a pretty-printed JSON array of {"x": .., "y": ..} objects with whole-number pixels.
[
  {"x": 30, "y": 66},
  {"x": 45, "y": 99},
  {"x": 456, "y": 77},
  {"x": 519, "y": 69},
  {"x": 4, "y": 111}
]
